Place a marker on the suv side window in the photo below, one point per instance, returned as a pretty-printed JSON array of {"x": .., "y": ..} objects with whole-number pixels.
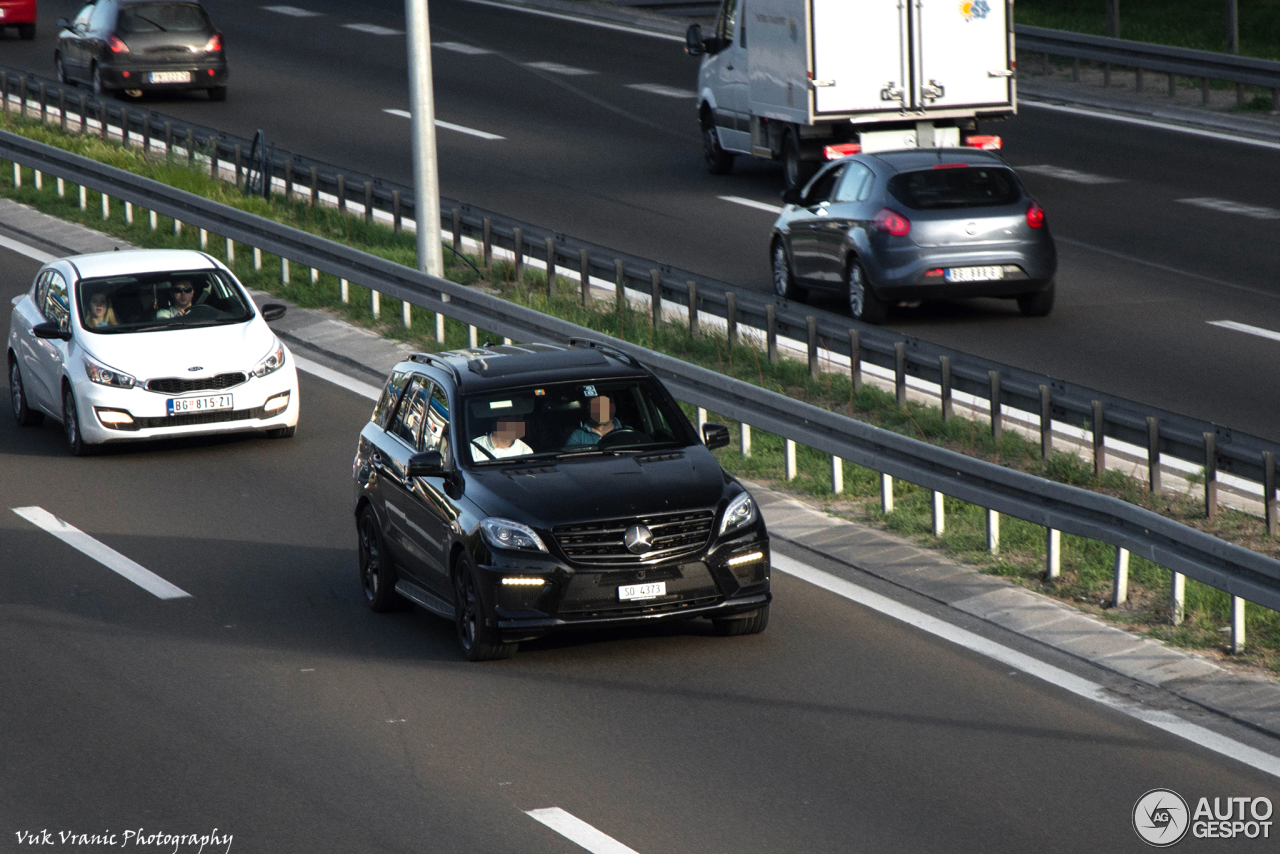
[
  {"x": 407, "y": 423},
  {"x": 435, "y": 437},
  {"x": 390, "y": 394},
  {"x": 56, "y": 306},
  {"x": 856, "y": 186}
]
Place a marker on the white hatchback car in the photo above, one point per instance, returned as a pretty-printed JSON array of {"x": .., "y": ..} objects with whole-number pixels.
[{"x": 145, "y": 344}]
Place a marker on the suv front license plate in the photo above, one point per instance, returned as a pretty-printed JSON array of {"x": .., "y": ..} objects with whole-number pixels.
[
  {"x": 632, "y": 592},
  {"x": 974, "y": 274},
  {"x": 209, "y": 403},
  {"x": 170, "y": 77}
]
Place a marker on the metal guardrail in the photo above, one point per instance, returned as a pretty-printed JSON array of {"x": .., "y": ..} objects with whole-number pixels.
[{"x": 1238, "y": 571}]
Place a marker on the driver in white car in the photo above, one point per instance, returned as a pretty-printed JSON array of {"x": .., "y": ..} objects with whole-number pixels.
[{"x": 182, "y": 293}]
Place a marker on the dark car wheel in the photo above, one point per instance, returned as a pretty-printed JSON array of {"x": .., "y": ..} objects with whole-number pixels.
[
  {"x": 71, "y": 425},
  {"x": 864, "y": 305},
  {"x": 61, "y": 71},
  {"x": 27, "y": 31},
  {"x": 784, "y": 283},
  {"x": 100, "y": 88},
  {"x": 1038, "y": 304},
  {"x": 22, "y": 413},
  {"x": 719, "y": 161},
  {"x": 479, "y": 642},
  {"x": 218, "y": 93},
  {"x": 377, "y": 575},
  {"x": 750, "y": 623},
  {"x": 795, "y": 172}
]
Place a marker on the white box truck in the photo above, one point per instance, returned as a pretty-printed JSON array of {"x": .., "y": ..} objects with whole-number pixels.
[{"x": 804, "y": 81}]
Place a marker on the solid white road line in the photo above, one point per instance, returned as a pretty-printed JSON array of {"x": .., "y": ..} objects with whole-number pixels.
[
  {"x": 1227, "y": 206},
  {"x": 337, "y": 378},
  {"x": 23, "y": 249},
  {"x": 659, "y": 89},
  {"x": 1068, "y": 174},
  {"x": 405, "y": 114},
  {"x": 459, "y": 47},
  {"x": 292, "y": 11},
  {"x": 1245, "y": 328},
  {"x": 578, "y": 831},
  {"x": 373, "y": 29},
  {"x": 558, "y": 68},
  {"x": 1131, "y": 120},
  {"x": 752, "y": 203},
  {"x": 622, "y": 28},
  {"x": 103, "y": 554},
  {"x": 1031, "y": 666}
]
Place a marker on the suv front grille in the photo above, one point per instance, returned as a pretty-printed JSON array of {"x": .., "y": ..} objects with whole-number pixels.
[
  {"x": 596, "y": 593},
  {"x": 177, "y": 385},
  {"x": 675, "y": 535}
]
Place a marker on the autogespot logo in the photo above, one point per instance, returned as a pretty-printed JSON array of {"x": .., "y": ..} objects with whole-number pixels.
[{"x": 1160, "y": 817}]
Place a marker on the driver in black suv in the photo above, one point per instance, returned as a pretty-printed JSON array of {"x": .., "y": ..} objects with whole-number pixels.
[{"x": 634, "y": 524}]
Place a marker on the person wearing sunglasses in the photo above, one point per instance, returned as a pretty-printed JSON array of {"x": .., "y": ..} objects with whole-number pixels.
[{"x": 182, "y": 294}]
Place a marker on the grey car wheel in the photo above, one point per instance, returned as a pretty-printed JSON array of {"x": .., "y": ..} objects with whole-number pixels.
[
  {"x": 1037, "y": 304},
  {"x": 61, "y": 70},
  {"x": 864, "y": 305},
  {"x": 99, "y": 88},
  {"x": 22, "y": 412},
  {"x": 784, "y": 283}
]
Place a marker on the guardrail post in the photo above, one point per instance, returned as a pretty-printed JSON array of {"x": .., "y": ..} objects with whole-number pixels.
[
  {"x": 257, "y": 258},
  {"x": 1177, "y": 598},
  {"x": 315, "y": 275},
  {"x": 1269, "y": 492},
  {"x": 1153, "y": 453},
  {"x": 44, "y": 105},
  {"x": 22, "y": 97},
  {"x": 84, "y": 198},
  {"x": 993, "y": 531},
  {"x": 1052, "y": 553},
  {"x": 731, "y": 318},
  {"x": 368, "y": 203},
  {"x": 472, "y": 341},
  {"x": 997, "y": 415},
  {"x": 655, "y": 299},
  {"x": 584, "y": 274},
  {"x": 789, "y": 459},
  {"x": 103, "y": 124},
  {"x": 62, "y": 109},
  {"x": 177, "y": 227},
  {"x": 168, "y": 132},
  {"x": 457, "y": 225},
  {"x": 487, "y": 245},
  {"x": 440, "y": 321},
  {"x": 1046, "y": 422},
  {"x": 315, "y": 186},
  {"x": 397, "y": 220},
  {"x": 39, "y": 176},
  {"x": 342, "y": 192},
  {"x": 191, "y": 147},
  {"x": 84, "y": 113},
  {"x": 231, "y": 251},
  {"x": 744, "y": 438},
  {"x": 1210, "y": 476},
  {"x": 886, "y": 494},
  {"x": 153, "y": 220},
  {"x": 146, "y": 133},
  {"x": 900, "y": 372},
  {"x": 551, "y": 267},
  {"x": 693, "y": 309},
  {"x": 204, "y": 239},
  {"x": 1237, "y": 625},
  {"x": 406, "y": 316},
  {"x": 125, "y": 142},
  {"x": 701, "y": 416},
  {"x": 939, "y": 514},
  {"x": 17, "y": 175},
  {"x": 288, "y": 179},
  {"x": 128, "y": 213},
  {"x": 855, "y": 359},
  {"x": 1099, "y": 430},
  {"x": 811, "y": 325},
  {"x": 62, "y": 188},
  {"x": 517, "y": 246},
  {"x": 619, "y": 285},
  {"x": 344, "y": 290},
  {"x": 375, "y": 304},
  {"x": 1120, "y": 591},
  {"x": 771, "y": 332},
  {"x": 4, "y": 90},
  {"x": 944, "y": 387},
  {"x": 837, "y": 475},
  {"x": 284, "y": 270}
]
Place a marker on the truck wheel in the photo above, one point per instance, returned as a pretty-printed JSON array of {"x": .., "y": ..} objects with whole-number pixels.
[
  {"x": 864, "y": 305},
  {"x": 719, "y": 161},
  {"x": 796, "y": 172}
]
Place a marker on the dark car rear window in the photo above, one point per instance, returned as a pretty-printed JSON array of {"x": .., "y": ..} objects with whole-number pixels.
[
  {"x": 162, "y": 18},
  {"x": 955, "y": 187}
]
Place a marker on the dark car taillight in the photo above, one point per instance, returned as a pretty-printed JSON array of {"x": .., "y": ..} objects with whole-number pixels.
[
  {"x": 1035, "y": 215},
  {"x": 116, "y": 45},
  {"x": 214, "y": 44},
  {"x": 892, "y": 222}
]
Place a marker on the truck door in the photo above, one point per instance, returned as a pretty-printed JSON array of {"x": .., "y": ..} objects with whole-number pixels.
[
  {"x": 861, "y": 56},
  {"x": 963, "y": 53},
  {"x": 726, "y": 73}
]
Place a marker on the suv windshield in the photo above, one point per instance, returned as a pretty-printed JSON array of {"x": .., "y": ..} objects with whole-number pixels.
[
  {"x": 571, "y": 418},
  {"x": 162, "y": 18},
  {"x": 955, "y": 187},
  {"x": 149, "y": 302}
]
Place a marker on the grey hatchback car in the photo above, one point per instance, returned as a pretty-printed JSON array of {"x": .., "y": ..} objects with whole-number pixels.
[{"x": 918, "y": 224}]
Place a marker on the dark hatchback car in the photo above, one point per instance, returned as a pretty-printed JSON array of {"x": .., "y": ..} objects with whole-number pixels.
[
  {"x": 520, "y": 490},
  {"x": 913, "y": 225},
  {"x": 140, "y": 46}
]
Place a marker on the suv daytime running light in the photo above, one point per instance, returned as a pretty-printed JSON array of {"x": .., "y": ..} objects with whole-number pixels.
[
  {"x": 746, "y": 558},
  {"x": 523, "y": 582},
  {"x": 102, "y": 375},
  {"x": 506, "y": 534},
  {"x": 740, "y": 513}
]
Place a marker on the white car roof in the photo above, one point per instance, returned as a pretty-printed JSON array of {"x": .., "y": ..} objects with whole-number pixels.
[{"x": 124, "y": 262}]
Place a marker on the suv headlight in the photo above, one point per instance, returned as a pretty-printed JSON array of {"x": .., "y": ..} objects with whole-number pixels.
[
  {"x": 102, "y": 375},
  {"x": 273, "y": 362},
  {"x": 740, "y": 513},
  {"x": 506, "y": 534}
]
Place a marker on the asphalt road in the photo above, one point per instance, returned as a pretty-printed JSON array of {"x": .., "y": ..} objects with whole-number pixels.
[{"x": 272, "y": 705}]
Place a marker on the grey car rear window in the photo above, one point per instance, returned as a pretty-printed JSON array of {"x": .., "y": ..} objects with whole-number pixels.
[
  {"x": 955, "y": 187},
  {"x": 162, "y": 18}
]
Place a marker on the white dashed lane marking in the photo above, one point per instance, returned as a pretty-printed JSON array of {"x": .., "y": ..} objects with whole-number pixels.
[
  {"x": 373, "y": 29},
  {"x": 405, "y": 114},
  {"x": 1065, "y": 174},
  {"x": 292, "y": 11},
  {"x": 1227, "y": 206},
  {"x": 557, "y": 68},
  {"x": 659, "y": 89},
  {"x": 578, "y": 831},
  {"x": 459, "y": 47},
  {"x": 752, "y": 203},
  {"x": 103, "y": 554},
  {"x": 1245, "y": 328}
]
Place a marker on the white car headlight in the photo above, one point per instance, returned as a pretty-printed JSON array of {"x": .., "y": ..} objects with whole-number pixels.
[
  {"x": 506, "y": 534},
  {"x": 102, "y": 375},
  {"x": 740, "y": 513},
  {"x": 274, "y": 361}
]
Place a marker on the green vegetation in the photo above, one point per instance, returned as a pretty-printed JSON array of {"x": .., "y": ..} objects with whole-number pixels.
[{"x": 1086, "y": 565}]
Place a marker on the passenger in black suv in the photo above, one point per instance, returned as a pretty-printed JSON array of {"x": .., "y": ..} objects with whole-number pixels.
[{"x": 640, "y": 526}]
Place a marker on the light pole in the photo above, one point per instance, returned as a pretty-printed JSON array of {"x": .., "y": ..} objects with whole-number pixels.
[{"x": 426, "y": 186}]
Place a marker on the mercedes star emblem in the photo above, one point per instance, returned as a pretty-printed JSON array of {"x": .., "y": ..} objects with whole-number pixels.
[{"x": 638, "y": 539}]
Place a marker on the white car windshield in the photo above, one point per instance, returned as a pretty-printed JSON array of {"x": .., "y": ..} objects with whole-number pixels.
[{"x": 149, "y": 302}]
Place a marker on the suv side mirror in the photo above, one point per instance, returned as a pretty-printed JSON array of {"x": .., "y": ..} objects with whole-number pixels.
[
  {"x": 272, "y": 311},
  {"x": 49, "y": 329},
  {"x": 793, "y": 195},
  {"x": 715, "y": 436},
  {"x": 426, "y": 464},
  {"x": 693, "y": 41}
]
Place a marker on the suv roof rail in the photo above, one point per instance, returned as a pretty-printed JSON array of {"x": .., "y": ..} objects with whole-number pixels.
[
  {"x": 437, "y": 362},
  {"x": 606, "y": 349}
]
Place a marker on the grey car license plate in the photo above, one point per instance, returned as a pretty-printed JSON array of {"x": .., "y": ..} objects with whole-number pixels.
[
  {"x": 170, "y": 77},
  {"x": 974, "y": 274}
]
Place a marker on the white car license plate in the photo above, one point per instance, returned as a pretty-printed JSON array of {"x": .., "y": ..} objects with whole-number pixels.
[
  {"x": 170, "y": 77},
  {"x": 208, "y": 403},
  {"x": 974, "y": 274},
  {"x": 631, "y": 592}
]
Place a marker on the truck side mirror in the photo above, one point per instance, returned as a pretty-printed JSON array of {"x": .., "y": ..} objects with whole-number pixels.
[{"x": 693, "y": 41}]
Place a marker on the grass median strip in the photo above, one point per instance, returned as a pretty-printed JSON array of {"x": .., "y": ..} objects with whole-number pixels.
[{"x": 1086, "y": 577}]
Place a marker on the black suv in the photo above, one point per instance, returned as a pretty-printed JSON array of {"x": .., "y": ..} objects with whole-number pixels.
[{"x": 522, "y": 489}]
